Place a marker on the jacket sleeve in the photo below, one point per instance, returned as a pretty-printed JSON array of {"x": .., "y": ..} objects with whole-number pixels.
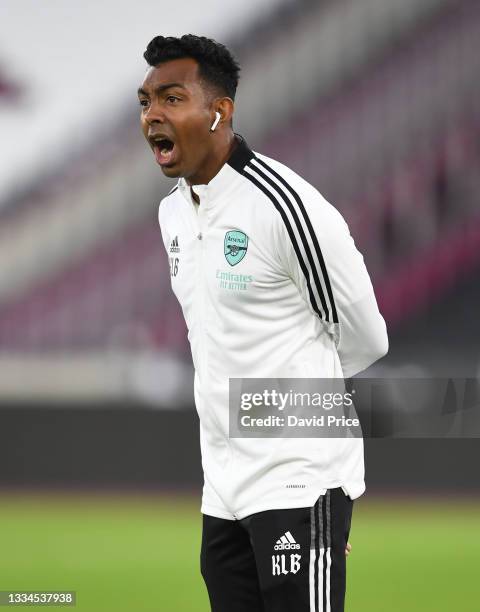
[{"x": 322, "y": 260}]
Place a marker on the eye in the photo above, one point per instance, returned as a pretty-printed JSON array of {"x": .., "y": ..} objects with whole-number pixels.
[
  {"x": 172, "y": 99},
  {"x": 143, "y": 102}
]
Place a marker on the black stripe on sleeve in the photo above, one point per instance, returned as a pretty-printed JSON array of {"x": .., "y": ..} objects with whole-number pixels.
[
  {"x": 290, "y": 233},
  {"x": 303, "y": 238},
  {"x": 312, "y": 234}
]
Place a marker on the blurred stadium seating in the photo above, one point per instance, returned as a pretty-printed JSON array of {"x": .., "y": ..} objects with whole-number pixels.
[{"x": 376, "y": 103}]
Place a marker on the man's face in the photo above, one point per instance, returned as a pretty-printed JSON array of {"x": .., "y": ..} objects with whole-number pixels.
[{"x": 176, "y": 116}]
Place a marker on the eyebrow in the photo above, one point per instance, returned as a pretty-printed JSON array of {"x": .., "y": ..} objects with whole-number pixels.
[{"x": 160, "y": 88}]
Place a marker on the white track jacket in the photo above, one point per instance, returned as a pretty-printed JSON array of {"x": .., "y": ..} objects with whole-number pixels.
[{"x": 271, "y": 285}]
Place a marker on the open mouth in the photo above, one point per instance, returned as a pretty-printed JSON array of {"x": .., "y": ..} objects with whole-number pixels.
[{"x": 164, "y": 150}]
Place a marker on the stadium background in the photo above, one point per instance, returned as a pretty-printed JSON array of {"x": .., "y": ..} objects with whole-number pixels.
[{"x": 375, "y": 102}]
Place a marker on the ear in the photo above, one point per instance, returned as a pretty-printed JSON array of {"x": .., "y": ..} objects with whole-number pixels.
[{"x": 225, "y": 107}]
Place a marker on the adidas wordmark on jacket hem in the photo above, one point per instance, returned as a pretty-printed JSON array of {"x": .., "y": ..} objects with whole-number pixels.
[{"x": 291, "y": 299}]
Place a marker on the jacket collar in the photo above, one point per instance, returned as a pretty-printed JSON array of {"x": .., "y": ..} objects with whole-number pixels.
[
  {"x": 240, "y": 155},
  {"x": 227, "y": 174}
]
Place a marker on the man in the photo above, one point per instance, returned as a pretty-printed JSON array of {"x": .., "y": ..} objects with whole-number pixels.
[{"x": 271, "y": 286}]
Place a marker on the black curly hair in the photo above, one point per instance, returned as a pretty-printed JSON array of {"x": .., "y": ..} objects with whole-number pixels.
[{"x": 217, "y": 66}]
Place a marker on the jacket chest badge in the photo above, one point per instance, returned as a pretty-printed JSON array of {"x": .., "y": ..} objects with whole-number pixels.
[{"x": 235, "y": 246}]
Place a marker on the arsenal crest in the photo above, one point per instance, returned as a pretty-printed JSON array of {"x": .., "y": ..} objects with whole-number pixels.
[{"x": 235, "y": 246}]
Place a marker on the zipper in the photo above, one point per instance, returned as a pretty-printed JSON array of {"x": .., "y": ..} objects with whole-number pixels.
[
  {"x": 201, "y": 305},
  {"x": 201, "y": 308},
  {"x": 200, "y": 293}
]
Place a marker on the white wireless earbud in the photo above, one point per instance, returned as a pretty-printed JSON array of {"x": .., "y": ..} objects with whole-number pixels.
[{"x": 218, "y": 116}]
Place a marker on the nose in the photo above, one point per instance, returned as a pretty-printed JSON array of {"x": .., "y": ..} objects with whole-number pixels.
[{"x": 154, "y": 114}]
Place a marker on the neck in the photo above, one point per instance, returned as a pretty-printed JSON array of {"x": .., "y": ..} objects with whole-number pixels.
[{"x": 218, "y": 158}]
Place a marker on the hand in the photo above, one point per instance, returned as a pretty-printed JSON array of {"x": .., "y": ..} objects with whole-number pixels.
[{"x": 348, "y": 549}]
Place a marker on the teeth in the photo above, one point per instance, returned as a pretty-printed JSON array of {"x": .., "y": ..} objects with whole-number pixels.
[{"x": 165, "y": 151}]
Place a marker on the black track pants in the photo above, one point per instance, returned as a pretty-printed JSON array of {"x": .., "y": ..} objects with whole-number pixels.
[{"x": 290, "y": 560}]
